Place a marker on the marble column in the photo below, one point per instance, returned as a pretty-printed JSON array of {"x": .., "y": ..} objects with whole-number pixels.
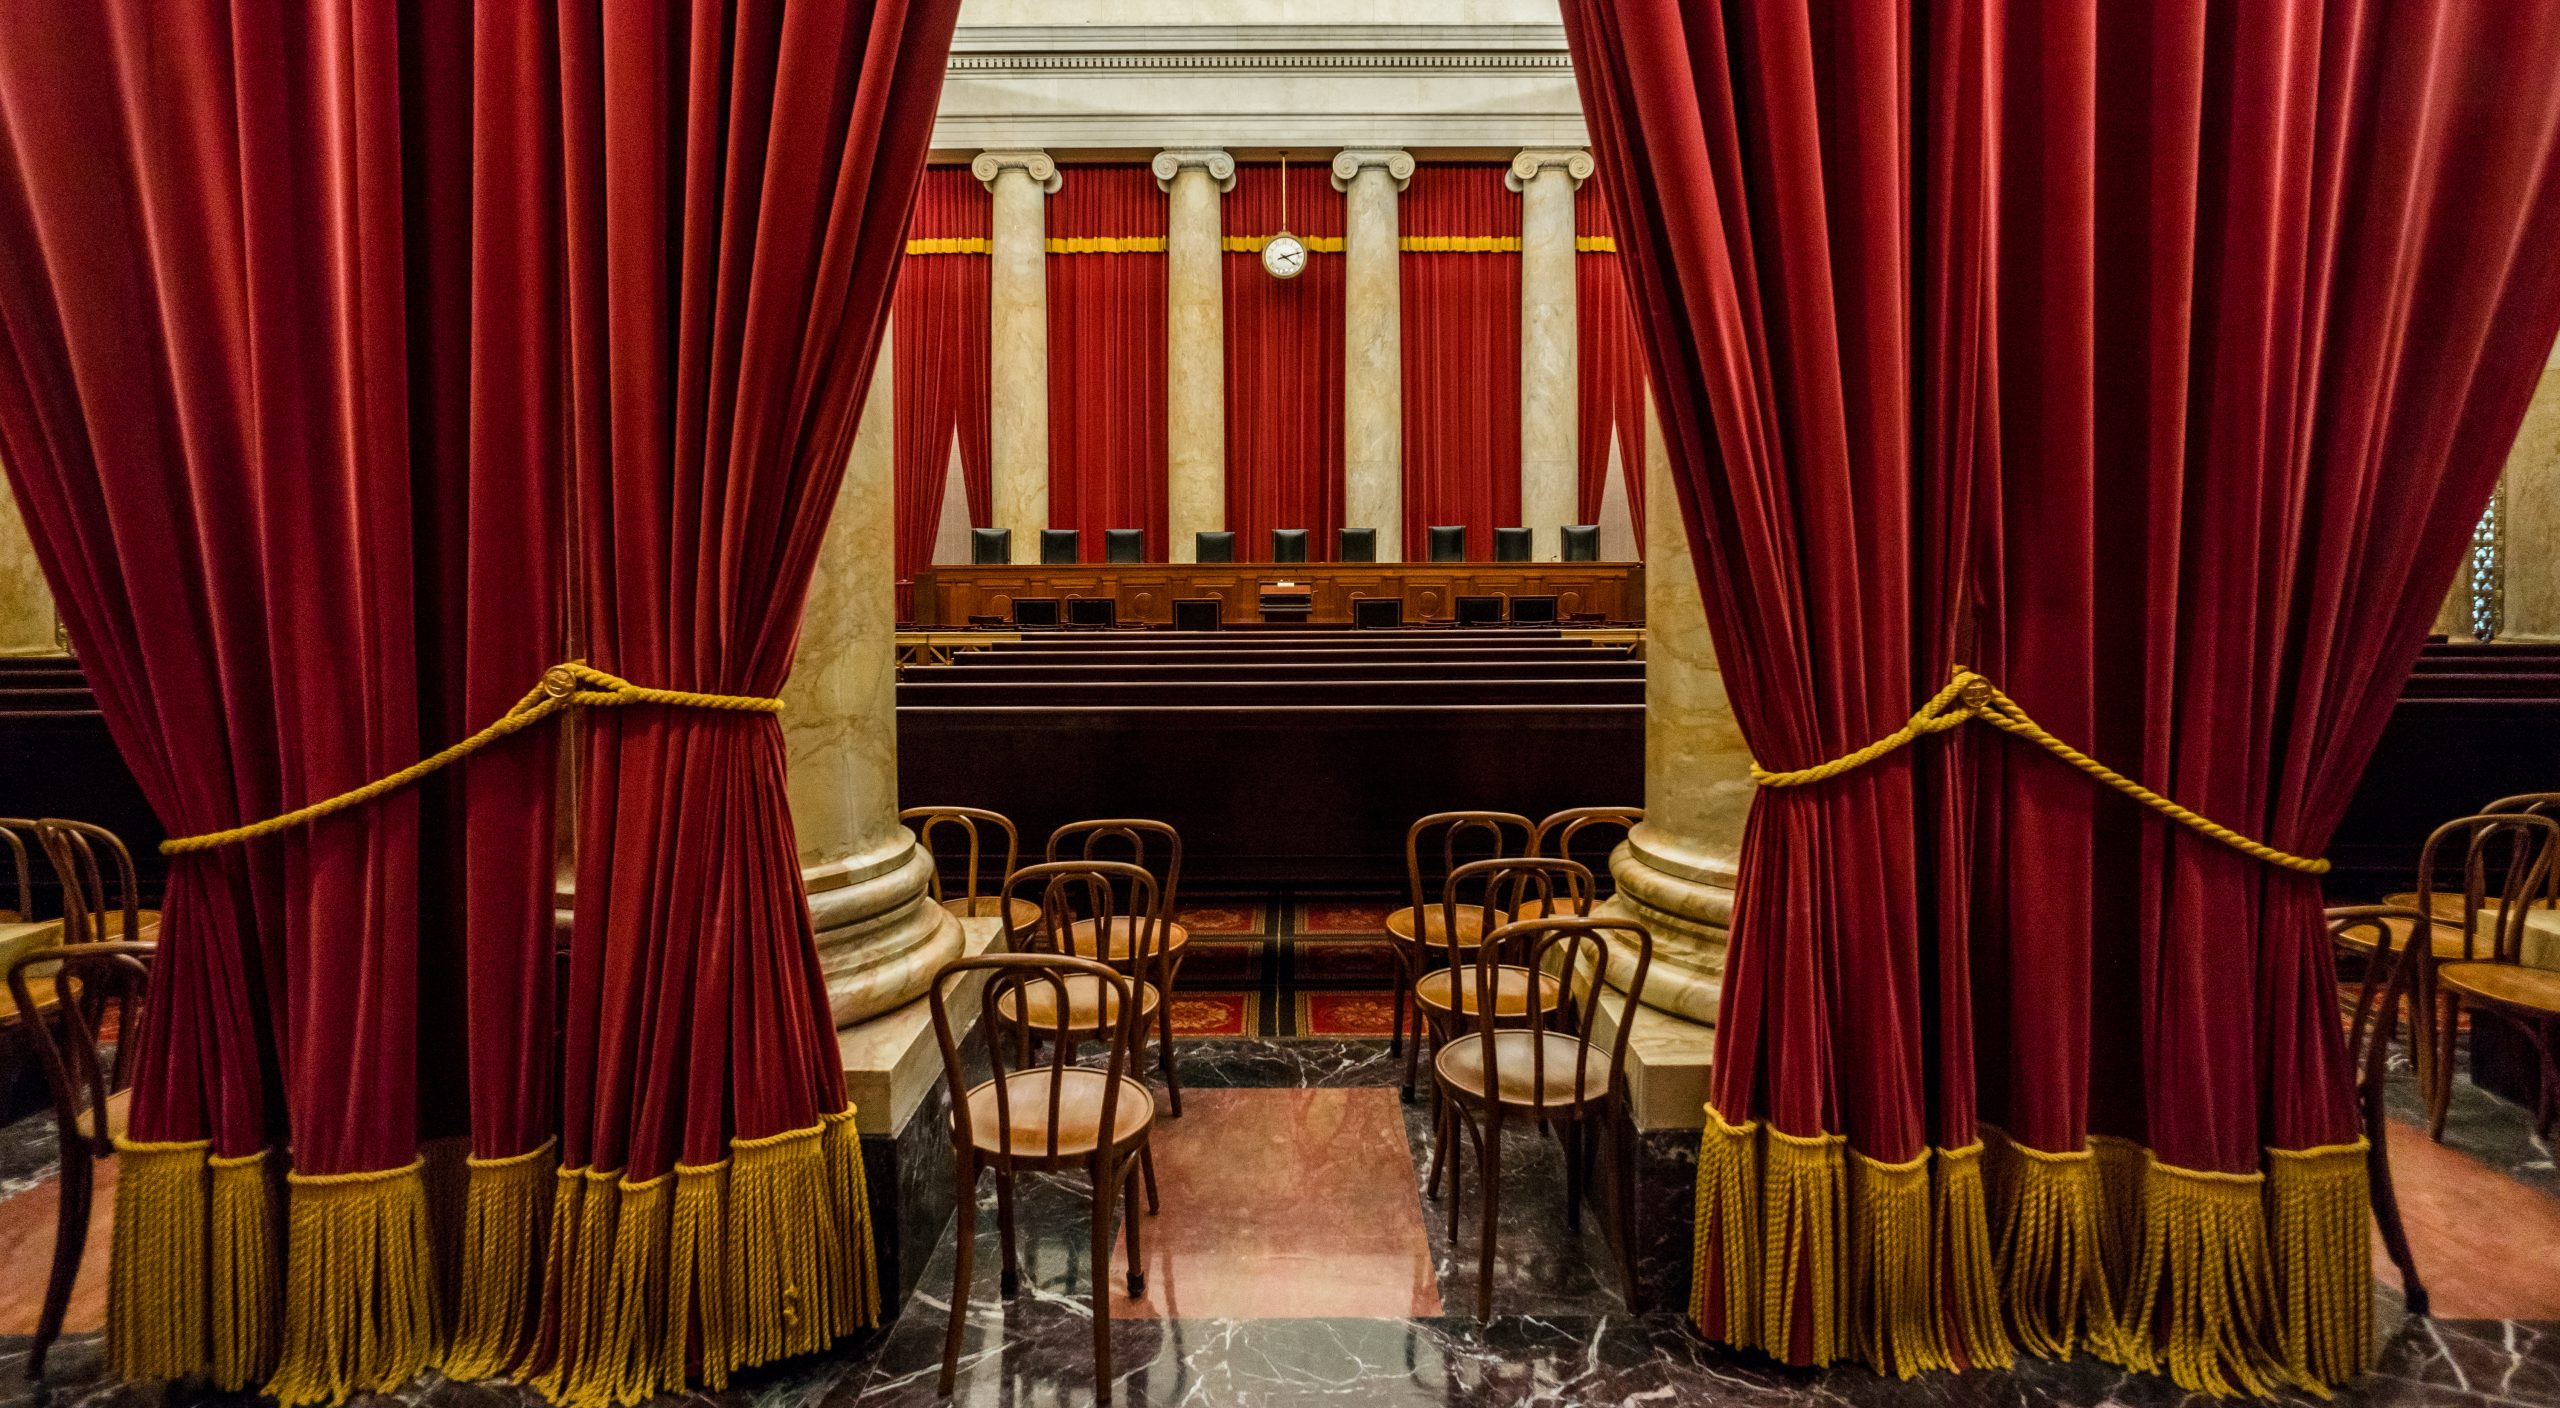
[
  {"x": 880, "y": 935},
  {"x": 1373, "y": 345},
  {"x": 2532, "y": 507},
  {"x": 26, "y": 606},
  {"x": 1018, "y": 342},
  {"x": 1549, "y": 474},
  {"x": 1195, "y": 346},
  {"x": 1675, "y": 873}
]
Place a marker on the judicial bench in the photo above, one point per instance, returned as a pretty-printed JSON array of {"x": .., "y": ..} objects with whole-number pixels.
[{"x": 1145, "y": 592}]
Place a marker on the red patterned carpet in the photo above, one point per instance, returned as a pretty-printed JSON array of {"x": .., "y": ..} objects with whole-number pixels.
[{"x": 1217, "y": 1013}]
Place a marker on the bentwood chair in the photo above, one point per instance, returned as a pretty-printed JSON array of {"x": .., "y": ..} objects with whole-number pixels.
[
  {"x": 1155, "y": 848},
  {"x": 1045, "y": 1116},
  {"x": 2366, "y": 929},
  {"x": 1548, "y": 1074},
  {"x": 2489, "y": 978},
  {"x": 1445, "y": 996},
  {"x": 2448, "y": 905},
  {"x": 974, "y": 902},
  {"x": 1589, "y": 834},
  {"x": 1423, "y": 924}
]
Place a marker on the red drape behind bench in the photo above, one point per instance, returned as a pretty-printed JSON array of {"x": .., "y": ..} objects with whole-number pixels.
[
  {"x": 1284, "y": 363},
  {"x": 1461, "y": 350},
  {"x": 1608, "y": 365},
  {"x": 1107, "y": 448},
  {"x": 939, "y": 344},
  {"x": 2156, "y": 361}
]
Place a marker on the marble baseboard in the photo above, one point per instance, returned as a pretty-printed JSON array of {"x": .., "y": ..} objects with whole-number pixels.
[
  {"x": 1666, "y": 1210},
  {"x": 910, "y": 1179}
]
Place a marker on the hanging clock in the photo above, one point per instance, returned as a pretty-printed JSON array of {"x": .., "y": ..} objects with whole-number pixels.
[{"x": 1283, "y": 256}]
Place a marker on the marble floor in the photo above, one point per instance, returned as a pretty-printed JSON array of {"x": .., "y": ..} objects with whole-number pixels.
[{"x": 1299, "y": 1261}]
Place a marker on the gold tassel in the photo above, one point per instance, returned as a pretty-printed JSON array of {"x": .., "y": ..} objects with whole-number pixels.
[
  {"x": 786, "y": 1244},
  {"x": 2324, "y": 1272},
  {"x": 578, "y": 1266},
  {"x": 698, "y": 1265},
  {"x": 641, "y": 1318},
  {"x": 2052, "y": 1273},
  {"x": 2204, "y": 1284},
  {"x": 858, "y": 1305},
  {"x": 1728, "y": 1219},
  {"x": 505, "y": 1216},
  {"x": 245, "y": 1268},
  {"x": 1965, "y": 1267},
  {"x": 156, "y": 1285},
  {"x": 1892, "y": 1312},
  {"x": 2124, "y": 1191},
  {"x": 359, "y": 1275},
  {"x": 1804, "y": 1206}
]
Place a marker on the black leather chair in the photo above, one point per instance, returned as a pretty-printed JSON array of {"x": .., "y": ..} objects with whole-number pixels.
[
  {"x": 1093, "y": 612},
  {"x": 1358, "y": 545},
  {"x": 990, "y": 547},
  {"x": 1448, "y": 542},
  {"x": 1581, "y": 542},
  {"x": 1124, "y": 545},
  {"x": 1035, "y": 613},
  {"x": 1288, "y": 544},
  {"x": 1213, "y": 547},
  {"x": 1510, "y": 544},
  {"x": 1377, "y": 613},
  {"x": 1059, "y": 547},
  {"x": 1479, "y": 611},
  {"x": 1533, "y": 611},
  {"x": 1197, "y": 613}
]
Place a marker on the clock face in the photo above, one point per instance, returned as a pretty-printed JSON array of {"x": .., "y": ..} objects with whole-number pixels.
[{"x": 1284, "y": 257}]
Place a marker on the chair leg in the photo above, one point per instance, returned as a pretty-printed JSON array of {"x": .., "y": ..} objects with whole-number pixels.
[
  {"x": 1164, "y": 1054},
  {"x": 967, "y": 1223},
  {"x": 2386, "y": 1209},
  {"x": 1147, "y": 1171},
  {"x": 1101, "y": 1278},
  {"x": 1012, "y": 1278},
  {"x": 1137, "y": 1251},
  {"x": 1441, "y": 1134},
  {"x": 1461, "y": 1120},
  {"x": 2448, "y": 1021},
  {"x": 1403, "y": 985},
  {"x": 1489, "y": 1176},
  {"x": 70, "y": 1239}
]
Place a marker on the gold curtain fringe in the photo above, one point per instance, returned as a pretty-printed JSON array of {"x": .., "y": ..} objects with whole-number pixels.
[
  {"x": 1728, "y": 1219},
  {"x": 1892, "y": 1319},
  {"x": 506, "y": 1217},
  {"x": 245, "y": 1262},
  {"x": 2048, "y": 1207},
  {"x": 359, "y": 1301},
  {"x": 1961, "y": 1259},
  {"x": 156, "y": 1279},
  {"x": 1777, "y": 1204},
  {"x": 2206, "y": 1283},
  {"x": 2322, "y": 1203}
]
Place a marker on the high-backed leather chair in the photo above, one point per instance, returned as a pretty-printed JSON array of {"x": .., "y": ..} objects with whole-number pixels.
[
  {"x": 1510, "y": 544},
  {"x": 1124, "y": 545},
  {"x": 1357, "y": 545},
  {"x": 1213, "y": 547},
  {"x": 1059, "y": 547},
  {"x": 1448, "y": 542},
  {"x": 1288, "y": 544},
  {"x": 1581, "y": 542},
  {"x": 990, "y": 547}
]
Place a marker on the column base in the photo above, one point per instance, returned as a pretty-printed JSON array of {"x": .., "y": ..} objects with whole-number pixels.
[
  {"x": 881, "y": 937},
  {"x": 902, "y": 1106},
  {"x": 1669, "y": 1061},
  {"x": 1684, "y": 898}
]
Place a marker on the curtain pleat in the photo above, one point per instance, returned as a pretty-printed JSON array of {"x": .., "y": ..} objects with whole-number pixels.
[
  {"x": 939, "y": 340},
  {"x": 1461, "y": 349},
  {"x": 1108, "y": 454},
  {"x": 1284, "y": 362},
  {"x": 1609, "y": 366}
]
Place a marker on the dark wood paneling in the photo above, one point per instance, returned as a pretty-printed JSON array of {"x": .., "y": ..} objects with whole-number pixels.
[{"x": 949, "y": 596}]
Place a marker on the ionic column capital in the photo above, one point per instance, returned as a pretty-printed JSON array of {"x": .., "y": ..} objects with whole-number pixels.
[
  {"x": 1347, "y": 165},
  {"x": 1171, "y": 162},
  {"x": 1576, "y": 165},
  {"x": 1035, "y": 164}
]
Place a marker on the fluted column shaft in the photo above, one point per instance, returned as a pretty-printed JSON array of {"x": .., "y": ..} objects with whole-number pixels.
[
  {"x": 1549, "y": 474},
  {"x": 1018, "y": 341},
  {"x": 1373, "y": 345},
  {"x": 1675, "y": 873},
  {"x": 880, "y": 935},
  {"x": 1195, "y": 347}
]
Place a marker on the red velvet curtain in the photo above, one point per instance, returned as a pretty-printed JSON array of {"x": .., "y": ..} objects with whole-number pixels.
[
  {"x": 1284, "y": 362},
  {"x": 1461, "y": 324},
  {"x": 1107, "y": 448},
  {"x": 303, "y": 344},
  {"x": 2155, "y": 362},
  {"x": 939, "y": 343},
  {"x": 1608, "y": 364}
]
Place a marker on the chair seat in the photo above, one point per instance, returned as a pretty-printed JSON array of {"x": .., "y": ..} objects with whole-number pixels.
[
  {"x": 1537, "y": 909},
  {"x": 1090, "y": 1005},
  {"x": 1473, "y": 924},
  {"x": 1079, "y": 1094},
  {"x": 1461, "y": 1064},
  {"x": 1124, "y": 933},
  {"x": 1510, "y": 991},
  {"x": 2506, "y": 984},
  {"x": 2449, "y": 906},
  {"x": 1021, "y": 913},
  {"x": 2448, "y": 939}
]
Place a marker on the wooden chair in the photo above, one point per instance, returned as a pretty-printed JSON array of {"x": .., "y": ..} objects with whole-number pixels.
[
  {"x": 1045, "y": 1116},
  {"x": 2366, "y": 929},
  {"x": 972, "y": 904},
  {"x": 92, "y": 980},
  {"x": 71, "y": 849},
  {"x": 1115, "y": 896},
  {"x": 1155, "y": 847},
  {"x": 1445, "y": 995},
  {"x": 1556, "y": 835},
  {"x": 2489, "y": 977},
  {"x": 1535, "y": 1072},
  {"x": 1410, "y": 930},
  {"x": 2448, "y": 905}
]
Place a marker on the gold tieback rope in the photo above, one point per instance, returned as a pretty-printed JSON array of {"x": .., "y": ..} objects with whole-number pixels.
[
  {"x": 575, "y": 685},
  {"x": 1970, "y": 696}
]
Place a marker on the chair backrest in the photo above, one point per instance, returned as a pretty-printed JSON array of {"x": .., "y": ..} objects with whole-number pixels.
[
  {"x": 1577, "y": 949},
  {"x": 2369, "y": 1034},
  {"x": 1446, "y": 840},
  {"x": 1213, "y": 546},
  {"x": 1288, "y": 544},
  {"x": 1108, "y": 894},
  {"x": 1152, "y": 845},
  {"x": 1580, "y": 542},
  {"x": 1013, "y": 974},
  {"x": 966, "y": 820},
  {"x": 990, "y": 547},
  {"x": 1094, "y": 611},
  {"x": 1377, "y": 613},
  {"x": 72, "y": 847},
  {"x": 1479, "y": 610},
  {"x": 2507, "y": 861},
  {"x": 1357, "y": 545},
  {"x": 2534, "y": 804},
  {"x": 1198, "y": 613},
  {"x": 1556, "y": 834},
  {"x": 1533, "y": 611},
  {"x": 1035, "y": 613},
  {"x": 1060, "y": 547},
  {"x": 26, "y": 890},
  {"x": 1502, "y": 884},
  {"x": 88, "y": 981},
  {"x": 1447, "y": 541},
  {"x": 1510, "y": 544},
  {"x": 1124, "y": 545}
]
